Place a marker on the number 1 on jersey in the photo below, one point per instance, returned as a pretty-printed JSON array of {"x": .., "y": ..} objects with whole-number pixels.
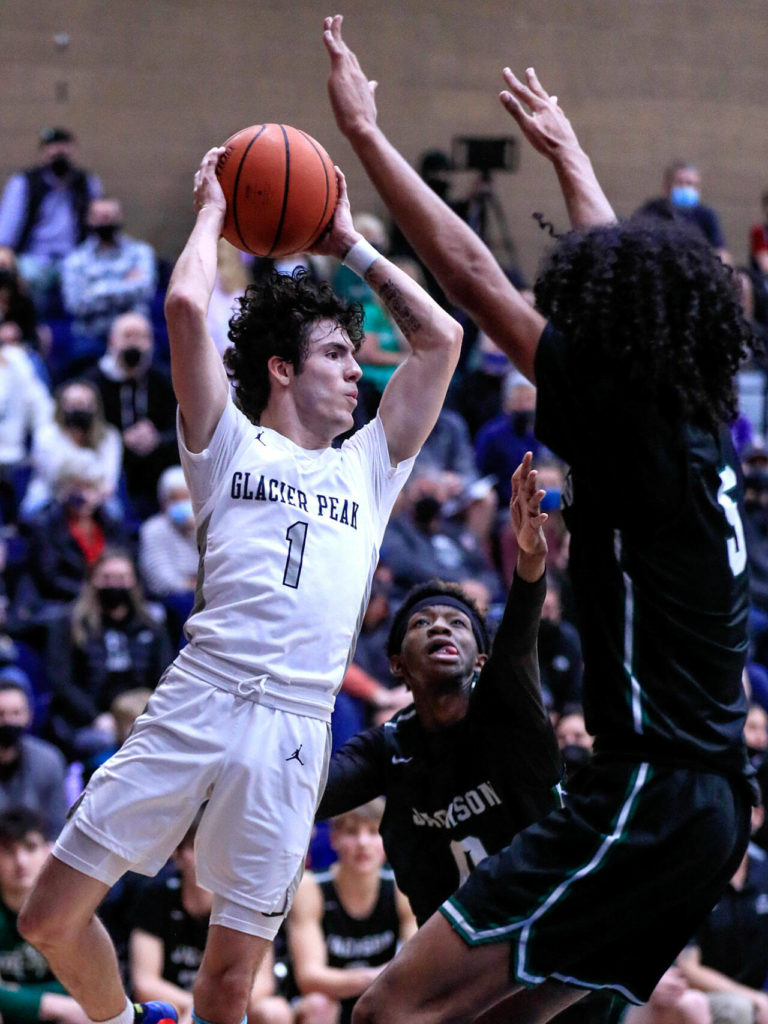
[{"x": 296, "y": 535}]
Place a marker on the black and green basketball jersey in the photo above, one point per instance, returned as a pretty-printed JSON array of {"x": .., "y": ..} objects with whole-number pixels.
[{"x": 658, "y": 565}]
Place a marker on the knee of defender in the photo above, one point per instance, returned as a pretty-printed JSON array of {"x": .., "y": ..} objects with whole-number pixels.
[{"x": 217, "y": 992}]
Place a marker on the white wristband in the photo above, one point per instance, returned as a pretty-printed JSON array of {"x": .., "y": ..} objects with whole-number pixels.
[{"x": 361, "y": 257}]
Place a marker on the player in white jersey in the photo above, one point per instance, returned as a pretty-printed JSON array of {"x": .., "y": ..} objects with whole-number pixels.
[{"x": 289, "y": 530}]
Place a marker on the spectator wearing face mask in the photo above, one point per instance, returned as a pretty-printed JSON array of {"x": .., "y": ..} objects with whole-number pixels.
[
  {"x": 108, "y": 274},
  {"x": 138, "y": 400},
  {"x": 64, "y": 537},
  {"x": 574, "y": 741},
  {"x": 32, "y": 771},
  {"x": 43, "y": 212},
  {"x": 682, "y": 185},
  {"x": 502, "y": 442},
  {"x": 78, "y": 435},
  {"x": 168, "y": 553},
  {"x": 112, "y": 642}
]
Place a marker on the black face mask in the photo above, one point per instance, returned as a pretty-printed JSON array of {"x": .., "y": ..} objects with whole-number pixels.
[
  {"x": 522, "y": 422},
  {"x": 61, "y": 165},
  {"x": 425, "y": 510},
  {"x": 10, "y": 735},
  {"x": 106, "y": 232},
  {"x": 575, "y": 757},
  {"x": 113, "y": 597},
  {"x": 80, "y": 419},
  {"x": 131, "y": 357}
]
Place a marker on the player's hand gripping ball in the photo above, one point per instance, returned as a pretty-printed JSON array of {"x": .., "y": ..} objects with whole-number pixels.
[{"x": 280, "y": 188}]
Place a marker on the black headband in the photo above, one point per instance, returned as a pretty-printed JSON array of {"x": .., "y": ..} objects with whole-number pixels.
[{"x": 452, "y": 602}]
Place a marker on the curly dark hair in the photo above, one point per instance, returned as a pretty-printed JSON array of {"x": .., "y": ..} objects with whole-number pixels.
[
  {"x": 650, "y": 303},
  {"x": 275, "y": 318},
  {"x": 436, "y": 589}
]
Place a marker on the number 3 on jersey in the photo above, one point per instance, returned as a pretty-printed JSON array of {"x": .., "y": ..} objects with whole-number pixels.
[
  {"x": 296, "y": 535},
  {"x": 737, "y": 548}
]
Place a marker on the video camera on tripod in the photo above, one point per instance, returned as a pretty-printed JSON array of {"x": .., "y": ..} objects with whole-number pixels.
[{"x": 487, "y": 155}]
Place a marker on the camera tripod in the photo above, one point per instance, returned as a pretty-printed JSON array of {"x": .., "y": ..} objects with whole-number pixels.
[{"x": 485, "y": 212}]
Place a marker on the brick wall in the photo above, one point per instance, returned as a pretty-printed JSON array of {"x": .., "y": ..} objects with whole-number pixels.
[{"x": 150, "y": 84}]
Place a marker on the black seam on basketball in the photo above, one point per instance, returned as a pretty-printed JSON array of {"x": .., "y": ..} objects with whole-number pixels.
[
  {"x": 237, "y": 181},
  {"x": 315, "y": 234},
  {"x": 285, "y": 189}
]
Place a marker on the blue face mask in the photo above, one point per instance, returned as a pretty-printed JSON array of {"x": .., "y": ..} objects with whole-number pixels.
[
  {"x": 684, "y": 197},
  {"x": 180, "y": 512},
  {"x": 551, "y": 500}
]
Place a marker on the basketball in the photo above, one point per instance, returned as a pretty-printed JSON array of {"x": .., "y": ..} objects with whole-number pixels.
[{"x": 280, "y": 188}]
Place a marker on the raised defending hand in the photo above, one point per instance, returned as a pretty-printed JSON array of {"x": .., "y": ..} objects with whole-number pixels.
[
  {"x": 340, "y": 235},
  {"x": 207, "y": 192},
  {"x": 525, "y": 510},
  {"x": 351, "y": 94},
  {"x": 538, "y": 114}
]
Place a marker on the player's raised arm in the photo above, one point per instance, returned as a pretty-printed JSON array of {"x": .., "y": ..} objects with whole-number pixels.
[
  {"x": 549, "y": 131},
  {"x": 528, "y": 521},
  {"x": 414, "y": 395},
  {"x": 199, "y": 378},
  {"x": 464, "y": 266}
]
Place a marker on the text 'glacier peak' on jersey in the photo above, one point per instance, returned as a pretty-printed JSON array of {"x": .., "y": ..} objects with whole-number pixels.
[{"x": 250, "y": 487}]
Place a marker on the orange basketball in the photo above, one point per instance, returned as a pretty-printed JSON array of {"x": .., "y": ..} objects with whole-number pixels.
[{"x": 280, "y": 188}]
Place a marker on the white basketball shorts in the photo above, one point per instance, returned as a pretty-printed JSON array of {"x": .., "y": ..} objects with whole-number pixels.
[{"x": 260, "y": 769}]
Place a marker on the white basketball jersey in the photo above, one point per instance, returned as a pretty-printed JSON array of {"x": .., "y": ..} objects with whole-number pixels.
[{"x": 288, "y": 542}]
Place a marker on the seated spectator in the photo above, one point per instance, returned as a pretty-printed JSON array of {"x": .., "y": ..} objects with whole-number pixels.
[
  {"x": 551, "y": 476},
  {"x": 111, "y": 643},
  {"x": 170, "y": 926},
  {"x": 26, "y": 407},
  {"x": 682, "y": 202},
  {"x": 574, "y": 741},
  {"x": 421, "y": 543},
  {"x": 15, "y": 303},
  {"x": 168, "y": 554},
  {"x": 347, "y": 923},
  {"x": 139, "y": 401},
  {"x": 29, "y": 993},
  {"x": 43, "y": 213},
  {"x": 64, "y": 538},
  {"x": 479, "y": 392},
  {"x": 448, "y": 458},
  {"x": 32, "y": 772},
  {"x": 79, "y": 435},
  {"x": 728, "y": 955},
  {"x": 108, "y": 274},
  {"x": 501, "y": 444},
  {"x": 560, "y": 661}
]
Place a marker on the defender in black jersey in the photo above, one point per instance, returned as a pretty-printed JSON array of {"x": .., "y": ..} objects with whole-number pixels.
[
  {"x": 474, "y": 759},
  {"x": 634, "y": 343}
]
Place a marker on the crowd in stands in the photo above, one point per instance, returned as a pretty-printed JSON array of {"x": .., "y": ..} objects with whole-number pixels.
[{"x": 99, "y": 560}]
